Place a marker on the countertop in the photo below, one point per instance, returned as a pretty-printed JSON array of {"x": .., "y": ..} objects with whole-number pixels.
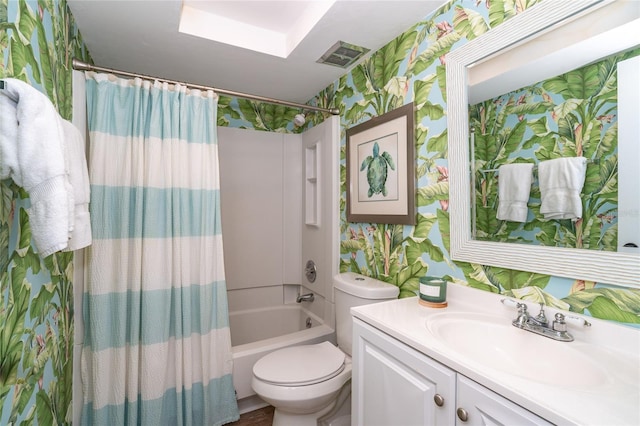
[{"x": 613, "y": 401}]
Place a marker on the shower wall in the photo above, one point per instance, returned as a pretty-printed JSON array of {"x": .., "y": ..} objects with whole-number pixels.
[
  {"x": 261, "y": 192},
  {"x": 273, "y": 222}
]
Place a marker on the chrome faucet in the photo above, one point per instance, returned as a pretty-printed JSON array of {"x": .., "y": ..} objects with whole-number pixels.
[
  {"x": 305, "y": 298},
  {"x": 540, "y": 324}
]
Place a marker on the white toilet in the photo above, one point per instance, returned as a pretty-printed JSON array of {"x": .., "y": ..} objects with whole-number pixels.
[{"x": 305, "y": 383}]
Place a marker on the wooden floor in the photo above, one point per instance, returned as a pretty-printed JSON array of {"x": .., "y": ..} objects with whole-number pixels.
[{"x": 261, "y": 417}]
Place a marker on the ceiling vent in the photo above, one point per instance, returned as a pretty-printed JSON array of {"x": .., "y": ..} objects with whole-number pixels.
[{"x": 342, "y": 54}]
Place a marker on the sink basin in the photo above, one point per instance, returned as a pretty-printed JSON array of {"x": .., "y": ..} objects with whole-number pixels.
[{"x": 493, "y": 342}]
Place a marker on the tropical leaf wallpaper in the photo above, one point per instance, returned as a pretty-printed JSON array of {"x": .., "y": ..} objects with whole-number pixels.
[
  {"x": 411, "y": 68},
  {"x": 38, "y": 39},
  {"x": 570, "y": 115},
  {"x": 245, "y": 114}
]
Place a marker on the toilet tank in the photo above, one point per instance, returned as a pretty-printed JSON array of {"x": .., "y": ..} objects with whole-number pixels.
[{"x": 351, "y": 289}]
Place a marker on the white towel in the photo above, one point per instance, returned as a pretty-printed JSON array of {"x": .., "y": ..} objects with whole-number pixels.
[
  {"x": 76, "y": 164},
  {"x": 514, "y": 186},
  {"x": 32, "y": 154},
  {"x": 561, "y": 181}
]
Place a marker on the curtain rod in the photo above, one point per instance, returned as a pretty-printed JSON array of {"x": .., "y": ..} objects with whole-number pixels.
[{"x": 83, "y": 66}]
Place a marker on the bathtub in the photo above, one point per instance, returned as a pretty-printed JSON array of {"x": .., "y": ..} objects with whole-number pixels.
[{"x": 257, "y": 332}]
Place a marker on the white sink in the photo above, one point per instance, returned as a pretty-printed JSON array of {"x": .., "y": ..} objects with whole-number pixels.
[{"x": 493, "y": 342}]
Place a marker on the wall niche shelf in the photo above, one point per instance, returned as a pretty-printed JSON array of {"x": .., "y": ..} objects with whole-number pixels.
[{"x": 312, "y": 202}]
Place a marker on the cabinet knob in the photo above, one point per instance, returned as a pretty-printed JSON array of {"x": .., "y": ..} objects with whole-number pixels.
[
  {"x": 462, "y": 414},
  {"x": 438, "y": 399}
]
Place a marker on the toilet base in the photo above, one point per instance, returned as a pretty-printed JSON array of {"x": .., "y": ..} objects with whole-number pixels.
[
  {"x": 341, "y": 413},
  {"x": 281, "y": 418},
  {"x": 332, "y": 415},
  {"x": 340, "y": 421}
]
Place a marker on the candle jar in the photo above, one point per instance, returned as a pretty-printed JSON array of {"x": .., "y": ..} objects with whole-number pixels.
[{"x": 433, "y": 292}]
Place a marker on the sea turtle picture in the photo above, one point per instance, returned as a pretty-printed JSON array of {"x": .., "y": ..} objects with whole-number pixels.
[{"x": 377, "y": 167}]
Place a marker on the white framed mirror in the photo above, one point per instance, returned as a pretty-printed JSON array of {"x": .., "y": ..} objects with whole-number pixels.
[{"x": 524, "y": 41}]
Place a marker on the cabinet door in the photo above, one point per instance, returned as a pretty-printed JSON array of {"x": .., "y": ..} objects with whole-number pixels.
[
  {"x": 393, "y": 384},
  {"x": 479, "y": 406}
]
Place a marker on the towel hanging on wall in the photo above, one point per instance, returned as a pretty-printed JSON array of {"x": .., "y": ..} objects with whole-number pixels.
[
  {"x": 514, "y": 186},
  {"x": 37, "y": 151},
  {"x": 78, "y": 175},
  {"x": 561, "y": 181}
]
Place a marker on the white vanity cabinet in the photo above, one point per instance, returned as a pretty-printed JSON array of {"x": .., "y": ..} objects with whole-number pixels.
[
  {"x": 393, "y": 384},
  {"x": 479, "y": 406}
]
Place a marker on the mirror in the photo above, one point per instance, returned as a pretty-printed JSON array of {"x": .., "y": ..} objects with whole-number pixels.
[
  {"x": 515, "y": 54},
  {"x": 574, "y": 114}
]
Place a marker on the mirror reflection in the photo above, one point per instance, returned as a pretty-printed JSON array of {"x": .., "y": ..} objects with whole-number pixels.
[
  {"x": 570, "y": 115},
  {"x": 531, "y": 70}
]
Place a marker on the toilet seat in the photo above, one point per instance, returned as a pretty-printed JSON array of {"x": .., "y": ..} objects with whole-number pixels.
[{"x": 300, "y": 365}]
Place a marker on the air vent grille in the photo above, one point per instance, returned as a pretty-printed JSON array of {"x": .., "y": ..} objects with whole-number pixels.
[{"x": 342, "y": 54}]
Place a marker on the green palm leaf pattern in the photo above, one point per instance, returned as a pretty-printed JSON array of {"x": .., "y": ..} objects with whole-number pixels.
[
  {"x": 40, "y": 40},
  {"x": 547, "y": 127},
  {"x": 537, "y": 295},
  {"x": 607, "y": 303},
  {"x": 267, "y": 117},
  {"x": 581, "y": 124},
  {"x": 36, "y": 297}
]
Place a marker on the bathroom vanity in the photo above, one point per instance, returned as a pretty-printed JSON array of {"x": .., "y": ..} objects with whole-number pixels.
[{"x": 467, "y": 364}]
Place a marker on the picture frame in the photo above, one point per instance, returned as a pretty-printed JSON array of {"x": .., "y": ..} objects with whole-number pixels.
[{"x": 380, "y": 166}]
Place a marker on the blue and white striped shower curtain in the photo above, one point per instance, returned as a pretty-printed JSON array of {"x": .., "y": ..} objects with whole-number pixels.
[{"x": 157, "y": 346}]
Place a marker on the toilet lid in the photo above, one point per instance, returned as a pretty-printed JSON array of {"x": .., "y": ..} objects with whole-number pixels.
[{"x": 300, "y": 365}]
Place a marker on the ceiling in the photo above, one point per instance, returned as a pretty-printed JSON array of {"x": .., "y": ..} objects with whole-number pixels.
[{"x": 143, "y": 37}]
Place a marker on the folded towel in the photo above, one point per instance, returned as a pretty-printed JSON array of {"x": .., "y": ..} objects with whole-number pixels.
[
  {"x": 514, "y": 186},
  {"x": 76, "y": 164},
  {"x": 32, "y": 154},
  {"x": 561, "y": 181}
]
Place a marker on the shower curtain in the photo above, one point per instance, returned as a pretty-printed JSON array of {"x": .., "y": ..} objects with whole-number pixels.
[{"x": 157, "y": 346}]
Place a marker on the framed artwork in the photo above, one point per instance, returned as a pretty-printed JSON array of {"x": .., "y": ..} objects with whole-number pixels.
[{"x": 381, "y": 169}]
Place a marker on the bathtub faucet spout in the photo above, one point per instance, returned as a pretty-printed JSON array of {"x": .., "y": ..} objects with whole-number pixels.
[{"x": 305, "y": 298}]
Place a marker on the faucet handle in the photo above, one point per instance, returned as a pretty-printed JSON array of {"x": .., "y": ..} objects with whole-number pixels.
[
  {"x": 522, "y": 308},
  {"x": 510, "y": 303},
  {"x": 559, "y": 323},
  {"x": 523, "y": 316},
  {"x": 577, "y": 321}
]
